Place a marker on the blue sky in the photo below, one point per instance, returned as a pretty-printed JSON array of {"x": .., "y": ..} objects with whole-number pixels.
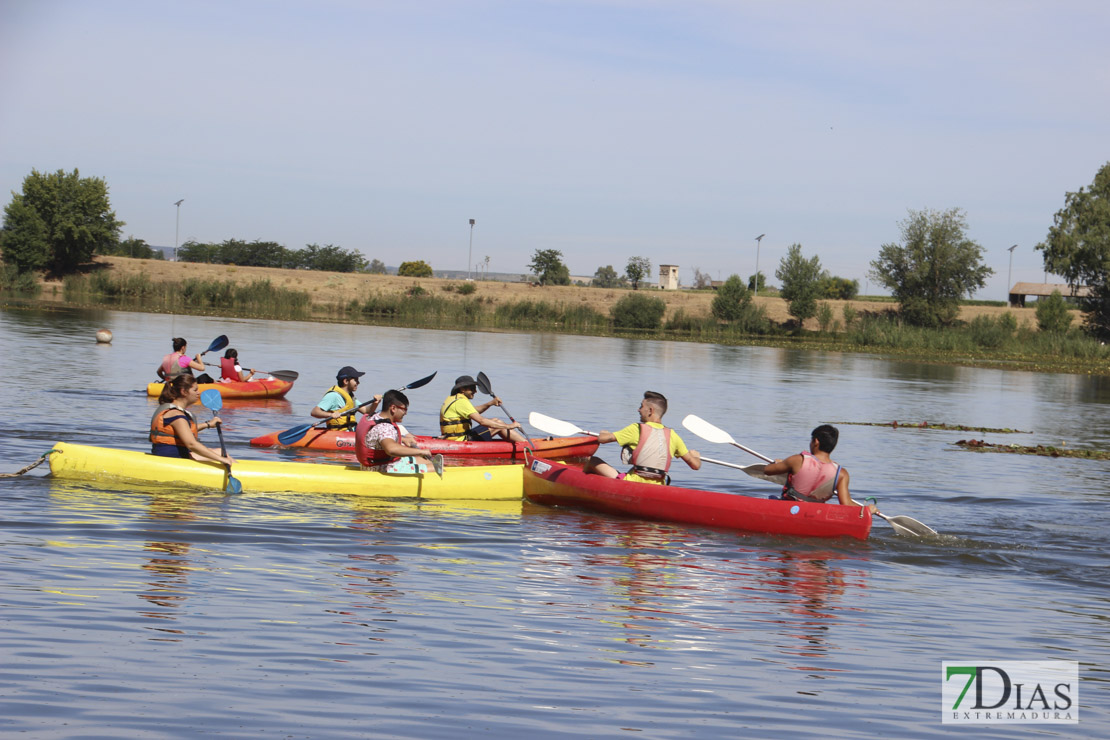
[{"x": 678, "y": 131}]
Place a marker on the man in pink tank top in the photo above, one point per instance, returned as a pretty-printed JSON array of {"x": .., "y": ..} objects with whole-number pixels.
[{"x": 813, "y": 475}]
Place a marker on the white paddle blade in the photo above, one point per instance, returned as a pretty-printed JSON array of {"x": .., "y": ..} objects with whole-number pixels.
[
  {"x": 909, "y": 525},
  {"x": 707, "y": 431},
  {"x": 555, "y": 427}
]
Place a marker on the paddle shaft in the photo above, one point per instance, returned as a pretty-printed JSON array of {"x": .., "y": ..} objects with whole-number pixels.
[{"x": 483, "y": 382}]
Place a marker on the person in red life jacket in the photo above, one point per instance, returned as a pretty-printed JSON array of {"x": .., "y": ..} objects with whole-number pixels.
[
  {"x": 648, "y": 445},
  {"x": 339, "y": 404},
  {"x": 381, "y": 440},
  {"x": 813, "y": 476},
  {"x": 178, "y": 362},
  {"x": 460, "y": 419},
  {"x": 231, "y": 370},
  {"x": 173, "y": 429}
]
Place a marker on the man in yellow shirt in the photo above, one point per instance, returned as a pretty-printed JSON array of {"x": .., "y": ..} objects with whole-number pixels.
[
  {"x": 649, "y": 446},
  {"x": 460, "y": 419}
]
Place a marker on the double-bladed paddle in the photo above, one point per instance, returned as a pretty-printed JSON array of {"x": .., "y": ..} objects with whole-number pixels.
[
  {"x": 213, "y": 401},
  {"x": 560, "y": 428},
  {"x": 711, "y": 433},
  {"x": 484, "y": 387},
  {"x": 295, "y": 434}
]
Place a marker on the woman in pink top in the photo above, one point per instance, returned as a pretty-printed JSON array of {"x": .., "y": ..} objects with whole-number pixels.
[{"x": 812, "y": 475}]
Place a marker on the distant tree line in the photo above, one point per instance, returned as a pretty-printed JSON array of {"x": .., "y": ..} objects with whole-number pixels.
[{"x": 271, "y": 254}]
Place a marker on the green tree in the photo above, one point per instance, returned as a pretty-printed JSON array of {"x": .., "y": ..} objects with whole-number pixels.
[
  {"x": 801, "y": 283},
  {"x": 59, "y": 221},
  {"x": 376, "y": 267},
  {"x": 607, "y": 277},
  {"x": 732, "y": 300},
  {"x": 638, "y": 311},
  {"x": 547, "y": 265},
  {"x": 331, "y": 258},
  {"x": 636, "y": 270},
  {"x": 838, "y": 288},
  {"x": 1078, "y": 247},
  {"x": 137, "y": 248},
  {"x": 417, "y": 268},
  {"x": 1053, "y": 315},
  {"x": 933, "y": 268},
  {"x": 762, "y": 282}
]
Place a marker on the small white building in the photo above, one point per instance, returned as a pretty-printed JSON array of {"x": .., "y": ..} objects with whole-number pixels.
[{"x": 668, "y": 277}]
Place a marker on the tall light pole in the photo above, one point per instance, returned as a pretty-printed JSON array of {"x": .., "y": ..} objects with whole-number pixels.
[
  {"x": 470, "y": 252},
  {"x": 177, "y": 228},
  {"x": 1010, "y": 272},
  {"x": 758, "y": 240}
]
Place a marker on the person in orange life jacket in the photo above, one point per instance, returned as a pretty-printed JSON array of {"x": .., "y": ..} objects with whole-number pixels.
[
  {"x": 383, "y": 434},
  {"x": 813, "y": 476},
  {"x": 178, "y": 362},
  {"x": 339, "y": 404},
  {"x": 460, "y": 419},
  {"x": 231, "y": 370},
  {"x": 173, "y": 429},
  {"x": 652, "y": 446}
]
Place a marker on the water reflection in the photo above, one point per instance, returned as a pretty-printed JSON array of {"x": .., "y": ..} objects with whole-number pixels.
[{"x": 667, "y": 588}]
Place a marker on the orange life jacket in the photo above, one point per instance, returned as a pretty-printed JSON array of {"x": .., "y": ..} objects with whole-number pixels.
[{"x": 163, "y": 439}]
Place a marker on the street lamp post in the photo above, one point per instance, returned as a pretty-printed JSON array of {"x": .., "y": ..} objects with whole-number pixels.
[
  {"x": 758, "y": 240},
  {"x": 1009, "y": 272},
  {"x": 470, "y": 252},
  {"x": 177, "y": 228}
]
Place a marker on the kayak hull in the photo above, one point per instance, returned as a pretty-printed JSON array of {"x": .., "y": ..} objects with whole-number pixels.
[
  {"x": 550, "y": 448},
  {"x": 555, "y": 484},
  {"x": 266, "y": 388},
  {"x": 82, "y": 462}
]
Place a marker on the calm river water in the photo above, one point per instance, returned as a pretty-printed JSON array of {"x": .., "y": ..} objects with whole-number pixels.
[{"x": 133, "y": 613}]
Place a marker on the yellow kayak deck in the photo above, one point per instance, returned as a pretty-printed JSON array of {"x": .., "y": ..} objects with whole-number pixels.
[{"x": 487, "y": 483}]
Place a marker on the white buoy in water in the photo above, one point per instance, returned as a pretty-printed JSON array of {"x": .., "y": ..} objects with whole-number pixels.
[{"x": 103, "y": 336}]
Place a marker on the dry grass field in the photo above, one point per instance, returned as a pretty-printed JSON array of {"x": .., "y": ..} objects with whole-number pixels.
[{"x": 340, "y": 288}]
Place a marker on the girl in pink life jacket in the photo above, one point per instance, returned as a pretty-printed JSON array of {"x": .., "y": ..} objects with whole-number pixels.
[
  {"x": 178, "y": 362},
  {"x": 813, "y": 476}
]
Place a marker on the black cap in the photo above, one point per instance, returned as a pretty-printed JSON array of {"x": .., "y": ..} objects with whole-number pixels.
[
  {"x": 462, "y": 382},
  {"x": 348, "y": 372}
]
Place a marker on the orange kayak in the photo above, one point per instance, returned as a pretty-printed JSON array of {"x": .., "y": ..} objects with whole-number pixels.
[
  {"x": 552, "y": 447},
  {"x": 267, "y": 388}
]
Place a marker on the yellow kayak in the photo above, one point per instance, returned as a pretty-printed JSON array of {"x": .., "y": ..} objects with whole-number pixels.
[{"x": 486, "y": 483}]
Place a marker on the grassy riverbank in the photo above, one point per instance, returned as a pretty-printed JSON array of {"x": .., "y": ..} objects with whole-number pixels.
[{"x": 991, "y": 335}]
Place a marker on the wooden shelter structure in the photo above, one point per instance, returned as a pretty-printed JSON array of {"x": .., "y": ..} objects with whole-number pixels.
[{"x": 1021, "y": 291}]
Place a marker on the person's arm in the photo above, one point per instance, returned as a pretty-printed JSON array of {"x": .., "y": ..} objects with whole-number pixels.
[
  {"x": 693, "y": 459},
  {"x": 245, "y": 375},
  {"x": 370, "y": 406},
  {"x": 185, "y": 435},
  {"x": 492, "y": 423},
  {"x": 790, "y": 466},
  {"x": 605, "y": 437},
  {"x": 393, "y": 448},
  {"x": 196, "y": 363},
  {"x": 495, "y": 401},
  {"x": 160, "y": 372}
]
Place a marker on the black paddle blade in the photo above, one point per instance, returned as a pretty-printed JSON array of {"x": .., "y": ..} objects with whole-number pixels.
[
  {"x": 483, "y": 384},
  {"x": 217, "y": 344},
  {"x": 421, "y": 382}
]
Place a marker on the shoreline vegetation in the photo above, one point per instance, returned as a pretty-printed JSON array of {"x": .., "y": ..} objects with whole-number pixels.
[{"x": 990, "y": 334}]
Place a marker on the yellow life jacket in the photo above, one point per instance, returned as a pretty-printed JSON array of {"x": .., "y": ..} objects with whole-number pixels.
[
  {"x": 347, "y": 420},
  {"x": 452, "y": 424}
]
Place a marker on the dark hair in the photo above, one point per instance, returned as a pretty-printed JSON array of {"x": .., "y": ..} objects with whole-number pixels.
[
  {"x": 178, "y": 344},
  {"x": 394, "y": 398},
  {"x": 826, "y": 436},
  {"x": 176, "y": 388},
  {"x": 658, "y": 400},
  {"x": 231, "y": 354}
]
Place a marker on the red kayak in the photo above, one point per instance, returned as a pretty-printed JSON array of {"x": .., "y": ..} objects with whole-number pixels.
[
  {"x": 264, "y": 388},
  {"x": 552, "y": 447},
  {"x": 556, "y": 484}
]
